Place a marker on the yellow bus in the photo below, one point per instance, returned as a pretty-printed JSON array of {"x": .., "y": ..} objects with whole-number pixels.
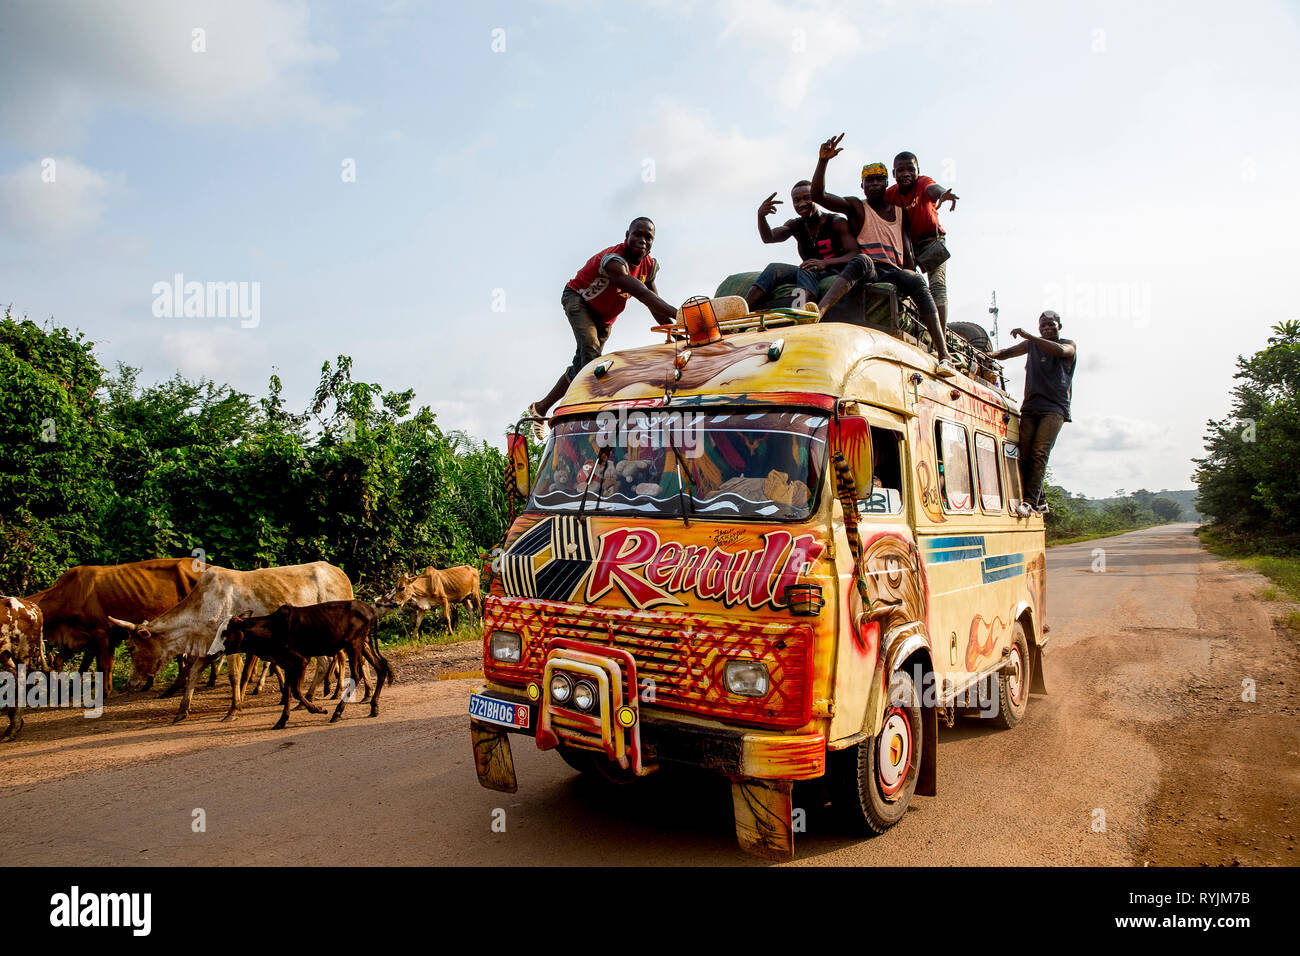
[{"x": 783, "y": 556}]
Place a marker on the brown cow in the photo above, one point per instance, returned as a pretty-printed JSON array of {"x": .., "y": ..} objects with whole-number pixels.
[
  {"x": 77, "y": 607},
  {"x": 291, "y": 636},
  {"x": 20, "y": 643},
  {"x": 437, "y": 588}
]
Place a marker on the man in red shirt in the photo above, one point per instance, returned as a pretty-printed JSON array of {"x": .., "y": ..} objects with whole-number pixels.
[
  {"x": 594, "y": 298},
  {"x": 920, "y": 198}
]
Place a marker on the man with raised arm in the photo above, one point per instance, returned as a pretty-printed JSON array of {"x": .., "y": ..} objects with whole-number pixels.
[
  {"x": 920, "y": 198},
  {"x": 886, "y": 254},
  {"x": 825, "y": 247},
  {"x": 1049, "y": 376},
  {"x": 596, "y": 296}
]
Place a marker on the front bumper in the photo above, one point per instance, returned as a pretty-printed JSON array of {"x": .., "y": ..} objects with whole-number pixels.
[{"x": 734, "y": 753}]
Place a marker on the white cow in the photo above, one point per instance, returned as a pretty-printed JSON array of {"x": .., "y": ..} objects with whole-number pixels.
[{"x": 194, "y": 625}]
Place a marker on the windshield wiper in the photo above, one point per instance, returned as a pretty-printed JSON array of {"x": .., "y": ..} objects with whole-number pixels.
[{"x": 602, "y": 462}]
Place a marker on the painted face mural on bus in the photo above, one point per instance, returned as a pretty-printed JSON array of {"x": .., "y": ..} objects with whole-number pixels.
[{"x": 898, "y": 594}]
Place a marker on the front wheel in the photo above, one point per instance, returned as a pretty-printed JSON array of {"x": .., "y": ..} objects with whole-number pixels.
[
  {"x": 1013, "y": 682},
  {"x": 873, "y": 781},
  {"x": 588, "y": 763}
]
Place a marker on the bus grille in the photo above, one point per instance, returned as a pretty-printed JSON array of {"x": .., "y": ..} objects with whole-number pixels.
[{"x": 679, "y": 658}]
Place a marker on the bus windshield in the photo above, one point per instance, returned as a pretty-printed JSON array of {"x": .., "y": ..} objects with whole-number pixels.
[{"x": 764, "y": 465}]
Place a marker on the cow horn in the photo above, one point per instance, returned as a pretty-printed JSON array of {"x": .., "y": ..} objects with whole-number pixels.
[{"x": 126, "y": 624}]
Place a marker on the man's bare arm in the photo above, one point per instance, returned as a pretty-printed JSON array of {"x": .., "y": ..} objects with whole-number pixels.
[
  {"x": 1011, "y": 351},
  {"x": 829, "y": 150},
  {"x": 769, "y": 235},
  {"x": 619, "y": 279},
  {"x": 1059, "y": 349},
  {"x": 939, "y": 195}
]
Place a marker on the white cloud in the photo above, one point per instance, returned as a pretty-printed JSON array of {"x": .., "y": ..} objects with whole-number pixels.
[
  {"x": 53, "y": 198},
  {"x": 62, "y": 62},
  {"x": 1115, "y": 433},
  {"x": 793, "y": 42},
  {"x": 223, "y": 353}
]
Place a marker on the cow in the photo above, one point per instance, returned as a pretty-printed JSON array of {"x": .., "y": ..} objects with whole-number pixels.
[
  {"x": 21, "y": 642},
  {"x": 77, "y": 606},
  {"x": 193, "y": 625},
  {"x": 291, "y": 636},
  {"x": 437, "y": 588}
]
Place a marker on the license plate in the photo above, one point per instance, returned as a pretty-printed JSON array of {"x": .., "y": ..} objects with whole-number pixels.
[{"x": 494, "y": 711}]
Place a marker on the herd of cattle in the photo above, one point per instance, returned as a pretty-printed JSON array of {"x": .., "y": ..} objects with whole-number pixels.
[{"x": 168, "y": 608}]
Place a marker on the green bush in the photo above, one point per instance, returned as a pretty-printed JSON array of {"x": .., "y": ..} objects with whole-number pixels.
[{"x": 193, "y": 467}]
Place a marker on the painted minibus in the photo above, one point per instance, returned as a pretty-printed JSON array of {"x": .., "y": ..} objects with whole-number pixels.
[{"x": 784, "y": 555}]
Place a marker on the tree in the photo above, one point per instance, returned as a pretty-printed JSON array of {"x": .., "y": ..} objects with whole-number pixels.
[
  {"x": 53, "y": 451},
  {"x": 1166, "y": 508},
  {"x": 1247, "y": 478}
]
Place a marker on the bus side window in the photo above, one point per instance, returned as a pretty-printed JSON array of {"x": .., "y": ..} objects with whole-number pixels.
[
  {"x": 1011, "y": 453},
  {"x": 986, "y": 469},
  {"x": 954, "y": 466},
  {"x": 887, "y": 474}
]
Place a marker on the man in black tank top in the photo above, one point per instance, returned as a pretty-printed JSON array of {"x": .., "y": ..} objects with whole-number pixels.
[
  {"x": 825, "y": 246},
  {"x": 1049, "y": 380}
]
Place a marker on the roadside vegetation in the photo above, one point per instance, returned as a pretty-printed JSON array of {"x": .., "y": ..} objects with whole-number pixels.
[
  {"x": 96, "y": 468},
  {"x": 1072, "y": 518},
  {"x": 1247, "y": 478}
]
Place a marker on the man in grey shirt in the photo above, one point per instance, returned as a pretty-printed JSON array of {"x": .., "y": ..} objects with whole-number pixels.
[{"x": 1049, "y": 376}]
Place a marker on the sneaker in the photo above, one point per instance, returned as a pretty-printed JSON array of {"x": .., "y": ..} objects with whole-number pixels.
[
  {"x": 1024, "y": 510},
  {"x": 1042, "y": 508},
  {"x": 944, "y": 369},
  {"x": 538, "y": 426}
]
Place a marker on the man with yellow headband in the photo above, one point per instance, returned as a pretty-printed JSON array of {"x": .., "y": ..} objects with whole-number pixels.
[{"x": 886, "y": 254}]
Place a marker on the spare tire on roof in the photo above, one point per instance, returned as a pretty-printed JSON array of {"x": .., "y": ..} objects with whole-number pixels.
[{"x": 972, "y": 333}]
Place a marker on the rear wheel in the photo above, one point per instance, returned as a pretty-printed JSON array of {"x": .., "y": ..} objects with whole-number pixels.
[
  {"x": 873, "y": 781},
  {"x": 1013, "y": 682}
]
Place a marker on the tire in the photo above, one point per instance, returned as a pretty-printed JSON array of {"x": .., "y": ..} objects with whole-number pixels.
[
  {"x": 1013, "y": 683},
  {"x": 591, "y": 764},
  {"x": 873, "y": 781},
  {"x": 582, "y": 761}
]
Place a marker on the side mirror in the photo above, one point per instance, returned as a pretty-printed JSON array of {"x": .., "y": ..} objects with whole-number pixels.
[
  {"x": 517, "y": 452},
  {"x": 851, "y": 437}
]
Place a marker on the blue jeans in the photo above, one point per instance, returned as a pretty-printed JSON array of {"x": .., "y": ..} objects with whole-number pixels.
[{"x": 782, "y": 273}]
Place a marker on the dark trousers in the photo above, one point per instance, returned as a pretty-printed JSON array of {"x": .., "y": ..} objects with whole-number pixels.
[
  {"x": 782, "y": 273},
  {"x": 910, "y": 285},
  {"x": 1038, "y": 431}
]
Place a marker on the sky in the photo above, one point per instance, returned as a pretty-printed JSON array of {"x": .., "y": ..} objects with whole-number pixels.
[{"x": 412, "y": 183}]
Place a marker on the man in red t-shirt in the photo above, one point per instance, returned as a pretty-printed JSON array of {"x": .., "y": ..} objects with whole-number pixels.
[
  {"x": 594, "y": 298},
  {"x": 920, "y": 197}
]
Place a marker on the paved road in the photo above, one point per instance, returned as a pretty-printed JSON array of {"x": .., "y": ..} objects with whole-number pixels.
[{"x": 1143, "y": 724}]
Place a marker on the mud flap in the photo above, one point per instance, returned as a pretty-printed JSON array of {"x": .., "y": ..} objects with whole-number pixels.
[
  {"x": 1037, "y": 685},
  {"x": 492, "y": 758},
  {"x": 763, "y": 824}
]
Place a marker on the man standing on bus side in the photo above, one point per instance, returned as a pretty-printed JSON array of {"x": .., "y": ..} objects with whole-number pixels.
[
  {"x": 594, "y": 298},
  {"x": 1049, "y": 376}
]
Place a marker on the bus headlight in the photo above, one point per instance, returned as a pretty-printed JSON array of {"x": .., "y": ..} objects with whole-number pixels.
[
  {"x": 747, "y": 678},
  {"x": 584, "y": 695},
  {"x": 506, "y": 646},
  {"x": 561, "y": 688}
]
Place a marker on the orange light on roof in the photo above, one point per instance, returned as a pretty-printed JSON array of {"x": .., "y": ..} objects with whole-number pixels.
[{"x": 701, "y": 324}]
